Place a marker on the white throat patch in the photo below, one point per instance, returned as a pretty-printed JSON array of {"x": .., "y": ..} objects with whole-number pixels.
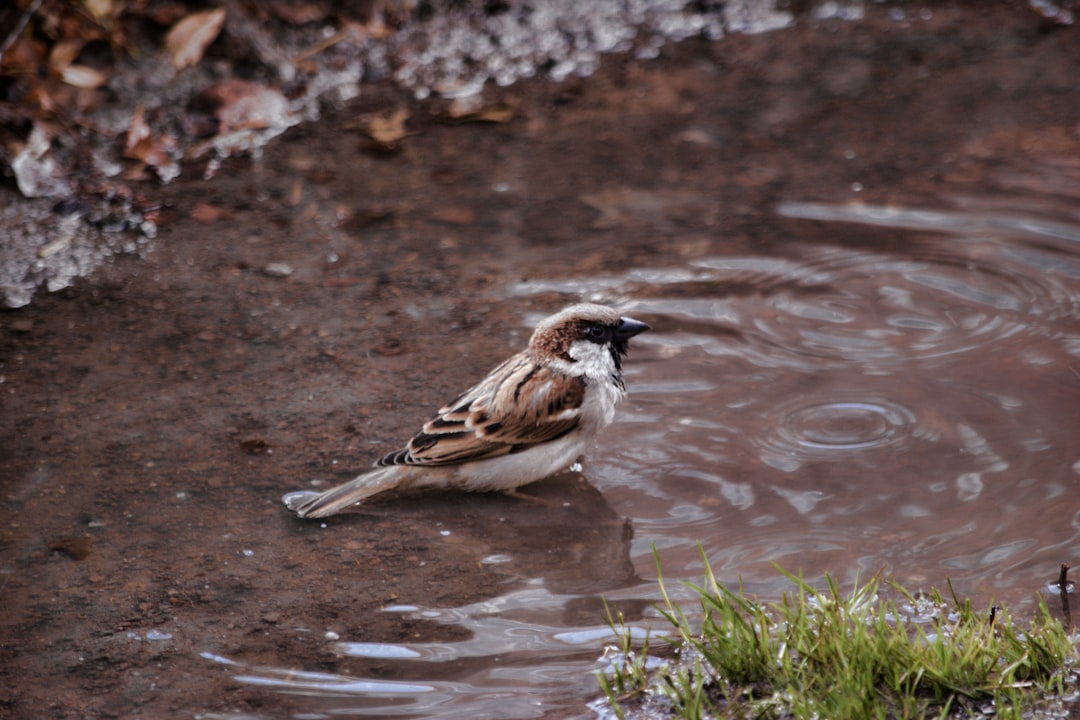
[{"x": 592, "y": 360}]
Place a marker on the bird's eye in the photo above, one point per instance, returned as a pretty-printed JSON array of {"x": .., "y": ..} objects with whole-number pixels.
[{"x": 596, "y": 332}]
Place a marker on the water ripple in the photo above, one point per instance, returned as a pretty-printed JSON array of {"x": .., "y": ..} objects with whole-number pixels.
[
  {"x": 950, "y": 221},
  {"x": 971, "y": 282},
  {"x": 831, "y": 430},
  {"x": 868, "y": 309}
]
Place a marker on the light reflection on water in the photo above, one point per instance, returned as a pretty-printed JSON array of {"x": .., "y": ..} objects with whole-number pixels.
[
  {"x": 914, "y": 412},
  {"x": 839, "y": 410},
  {"x": 521, "y": 653}
]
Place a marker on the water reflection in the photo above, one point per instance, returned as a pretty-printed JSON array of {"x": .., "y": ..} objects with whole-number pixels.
[
  {"x": 861, "y": 399},
  {"x": 554, "y": 559},
  {"x": 516, "y": 643}
]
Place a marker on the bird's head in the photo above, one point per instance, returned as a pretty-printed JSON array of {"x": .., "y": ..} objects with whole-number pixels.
[{"x": 585, "y": 339}]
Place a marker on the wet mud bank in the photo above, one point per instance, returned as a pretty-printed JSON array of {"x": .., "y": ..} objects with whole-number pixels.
[{"x": 301, "y": 314}]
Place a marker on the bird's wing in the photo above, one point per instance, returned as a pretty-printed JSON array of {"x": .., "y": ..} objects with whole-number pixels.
[{"x": 520, "y": 404}]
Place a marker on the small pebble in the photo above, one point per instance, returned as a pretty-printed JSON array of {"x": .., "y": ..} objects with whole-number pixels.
[{"x": 278, "y": 269}]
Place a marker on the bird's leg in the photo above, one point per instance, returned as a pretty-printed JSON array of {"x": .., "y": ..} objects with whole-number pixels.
[{"x": 518, "y": 495}]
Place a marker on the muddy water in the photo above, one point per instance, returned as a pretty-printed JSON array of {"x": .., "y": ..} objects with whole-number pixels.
[
  {"x": 867, "y": 325},
  {"x": 912, "y": 410},
  {"x": 830, "y": 408}
]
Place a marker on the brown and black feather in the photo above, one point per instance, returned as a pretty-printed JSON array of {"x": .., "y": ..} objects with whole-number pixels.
[{"x": 490, "y": 418}]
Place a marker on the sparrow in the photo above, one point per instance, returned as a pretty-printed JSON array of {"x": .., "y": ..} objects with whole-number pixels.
[{"x": 531, "y": 417}]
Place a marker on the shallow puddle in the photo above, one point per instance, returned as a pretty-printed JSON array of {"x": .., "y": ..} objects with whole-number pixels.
[{"x": 833, "y": 409}]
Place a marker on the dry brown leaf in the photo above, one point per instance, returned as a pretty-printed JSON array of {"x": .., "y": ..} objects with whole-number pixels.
[
  {"x": 64, "y": 53},
  {"x": 494, "y": 114},
  {"x": 23, "y": 57},
  {"x": 137, "y": 133},
  {"x": 141, "y": 144},
  {"x": 297, "y": 13},
  {"x": 471, "y": 108},
  {"x": 83, "y": 76},
  {"x": 497, "y": 114},
  {"x": 208, "y": 214},
  {"x": 99, "y": 8},
  {"x": 189, "y": 38},
  {"x": 388, "y": 129}
]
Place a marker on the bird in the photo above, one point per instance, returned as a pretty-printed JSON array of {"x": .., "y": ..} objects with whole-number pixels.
[{"x": 531, "y": 417}]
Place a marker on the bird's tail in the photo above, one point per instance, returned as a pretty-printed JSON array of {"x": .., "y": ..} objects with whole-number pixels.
[{"x": 311, "y": 504}]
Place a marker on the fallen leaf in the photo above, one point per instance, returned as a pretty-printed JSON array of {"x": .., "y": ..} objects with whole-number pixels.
[
  {"x": 137, "y": 133},
  {"x": 99, "y": 8},
  {"x": 83, "y": 76},
  {"x": 297, "y": 13},
  {"x": 23, "y": 57},
  {"x": 64, "y": 53},
  {"x": 189, "y": 38},
  {"x": 155, "y": 151},
  {"x": 472, "y": 109},
  {"x": 208, "y": 214},
  {"x": 388, "y": 129},
  {"x": 496, "y": 114}
]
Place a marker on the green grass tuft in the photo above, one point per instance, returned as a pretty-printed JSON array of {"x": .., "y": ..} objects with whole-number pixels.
[{"x": 822, "y": 654}]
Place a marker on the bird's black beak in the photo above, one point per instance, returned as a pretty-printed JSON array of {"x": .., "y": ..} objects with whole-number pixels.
[{"x": 629, "y": 327}]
